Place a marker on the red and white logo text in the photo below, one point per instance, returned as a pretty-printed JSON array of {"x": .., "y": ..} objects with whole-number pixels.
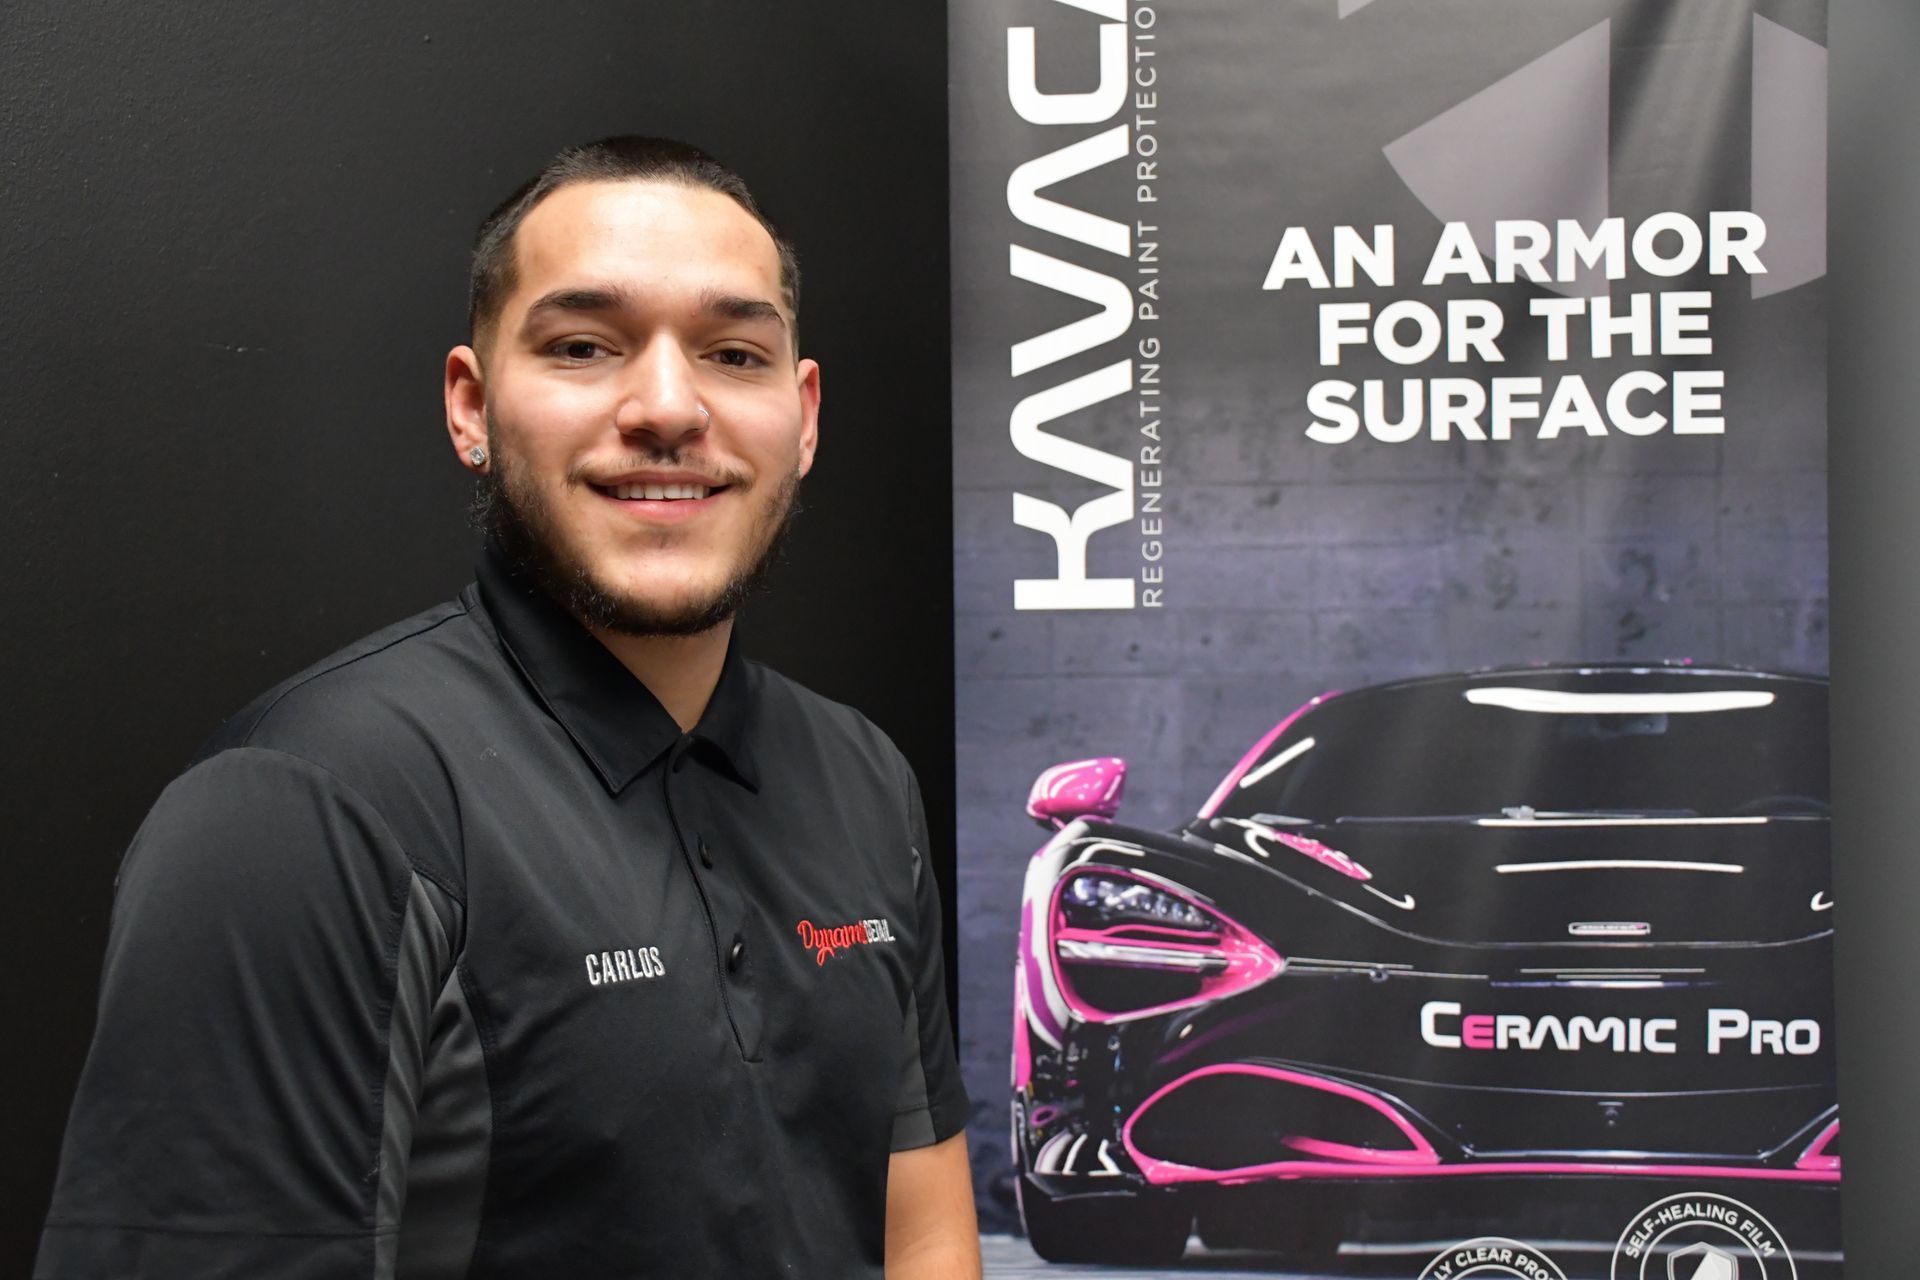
[{"x": 828, "y": 940}]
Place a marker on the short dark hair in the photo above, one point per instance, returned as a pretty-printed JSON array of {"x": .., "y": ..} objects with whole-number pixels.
[{"x": 625, "y": 158}]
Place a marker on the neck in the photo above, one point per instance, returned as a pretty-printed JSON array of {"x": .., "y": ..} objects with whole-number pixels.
[{"x": 681, "y": 671}]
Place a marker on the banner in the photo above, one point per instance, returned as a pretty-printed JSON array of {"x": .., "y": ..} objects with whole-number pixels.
[{"x": 1390, "y": 558}]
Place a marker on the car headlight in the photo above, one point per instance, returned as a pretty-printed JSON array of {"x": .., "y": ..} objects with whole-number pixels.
[
  {"x": 1126, "y": 948},
  {"x": 1095, "y": 901}
]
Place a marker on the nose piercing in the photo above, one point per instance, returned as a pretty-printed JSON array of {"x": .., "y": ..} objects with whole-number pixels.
[
  {"x": 478, "y": 456},
  {"x": 706, "y": 415}
]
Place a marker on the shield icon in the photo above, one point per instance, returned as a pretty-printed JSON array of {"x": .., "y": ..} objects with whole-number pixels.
[{"x": 1702, "y": 1262}]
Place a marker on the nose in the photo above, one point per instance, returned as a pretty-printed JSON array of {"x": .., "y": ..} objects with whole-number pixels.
[{"x": 660, "y": 396}]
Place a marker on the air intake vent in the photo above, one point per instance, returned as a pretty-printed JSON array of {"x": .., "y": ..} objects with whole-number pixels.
[{"x": 1243, "y": 1115}]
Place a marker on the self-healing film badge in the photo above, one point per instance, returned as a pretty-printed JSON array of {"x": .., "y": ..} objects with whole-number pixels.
[
  {"x": 1492, "y": 1258},
  {"x": 1700, "y": 1236}
]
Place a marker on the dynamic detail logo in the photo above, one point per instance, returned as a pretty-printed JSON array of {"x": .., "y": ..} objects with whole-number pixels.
[{"x": 830, "y": 940}]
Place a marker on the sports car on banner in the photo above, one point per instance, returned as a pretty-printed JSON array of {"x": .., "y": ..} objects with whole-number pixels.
[{"x": 1545, "y": 925}]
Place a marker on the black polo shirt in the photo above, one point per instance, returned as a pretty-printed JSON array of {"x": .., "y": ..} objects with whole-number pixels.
[{"x": 453, "y": 956}]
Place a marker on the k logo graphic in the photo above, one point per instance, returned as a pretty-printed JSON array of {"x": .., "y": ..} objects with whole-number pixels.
[{"x": 1703, "y": 1262}]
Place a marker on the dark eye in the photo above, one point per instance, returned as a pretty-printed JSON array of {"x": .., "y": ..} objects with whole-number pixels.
[
  {"x": 576, "y": 348},
  {"x": 738, "y": 358}
]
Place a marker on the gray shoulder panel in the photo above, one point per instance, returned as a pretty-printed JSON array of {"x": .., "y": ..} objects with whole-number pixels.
[
  {"x": 422, "y": 962},
  {"x": 452, "y": 1139},
  {"x": 912, "y": 1121}
]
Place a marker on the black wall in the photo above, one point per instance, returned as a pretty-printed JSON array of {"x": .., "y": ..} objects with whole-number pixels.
[
  {"x": 233, "y": 237},
  {"x": 1874, "y": 378},
  {"x": 233, "y": 245}
]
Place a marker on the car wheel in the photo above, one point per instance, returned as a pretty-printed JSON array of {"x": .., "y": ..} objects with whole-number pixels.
[{"x": 1143, "y": 1229}]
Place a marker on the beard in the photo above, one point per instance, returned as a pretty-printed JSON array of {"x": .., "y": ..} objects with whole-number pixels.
[{"x": 517, "y": 518}]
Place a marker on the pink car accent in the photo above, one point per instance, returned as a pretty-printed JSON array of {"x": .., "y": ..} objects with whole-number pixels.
[
  {"x": 1815, "y": 1157},
  {"x": 1160, "y": 939},
  {"x": 1337, "y": 1160},
  {"x": 1078, "y": 789},
  {"x": 1324, "y": 854},
  {"x": 1249, "y": 961},
  {"x": 1031, "y": 979},
  {"x": 1022, "y": 1051},
  {"x": 1345, "y": 1151},
  {"x": 1417, "y": 1153},
  {"x": 1259, "y": 749}
]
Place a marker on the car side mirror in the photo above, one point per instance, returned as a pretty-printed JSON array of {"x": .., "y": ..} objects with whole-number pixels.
[{"x": 1078, "y": 789}]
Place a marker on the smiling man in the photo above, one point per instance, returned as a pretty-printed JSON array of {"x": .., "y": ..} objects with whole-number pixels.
[{"x": 542, "y": 934}]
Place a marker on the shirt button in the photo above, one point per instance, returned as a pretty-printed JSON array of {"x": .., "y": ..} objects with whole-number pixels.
[
  {"x": 737, "y": 956},
  {"x": 706, "y": 855}
]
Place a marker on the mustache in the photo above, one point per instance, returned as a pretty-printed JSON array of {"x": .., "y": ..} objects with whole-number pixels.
[{"x": 603, "y": 471}]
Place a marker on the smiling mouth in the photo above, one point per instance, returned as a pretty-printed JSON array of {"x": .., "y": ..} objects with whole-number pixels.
[{"x": 660, "y": 492}]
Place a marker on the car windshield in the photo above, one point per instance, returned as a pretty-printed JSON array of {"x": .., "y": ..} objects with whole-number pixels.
[{"x": 1539, "y": 745}]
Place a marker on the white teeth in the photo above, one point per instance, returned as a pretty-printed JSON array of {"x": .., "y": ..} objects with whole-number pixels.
[{"x": 659, "y": 492}]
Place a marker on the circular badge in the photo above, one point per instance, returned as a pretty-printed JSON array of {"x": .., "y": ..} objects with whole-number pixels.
[
  {"x": 1701, "y": 1236},
  {"x": 1492, "y": 1256}
]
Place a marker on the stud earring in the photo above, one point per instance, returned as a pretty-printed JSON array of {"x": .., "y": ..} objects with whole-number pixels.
[{"x": 478, "y": 455}]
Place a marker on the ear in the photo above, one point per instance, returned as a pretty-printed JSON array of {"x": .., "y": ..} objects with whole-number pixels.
[
  {"x": 466, "y": 396},
  {"x": 809, "y": 376}
]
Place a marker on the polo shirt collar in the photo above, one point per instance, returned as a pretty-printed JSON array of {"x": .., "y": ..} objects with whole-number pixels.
[{"x": 614, "y": 719}]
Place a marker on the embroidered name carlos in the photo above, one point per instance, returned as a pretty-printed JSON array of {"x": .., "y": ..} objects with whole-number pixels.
[{"x": 625, "y": 965}]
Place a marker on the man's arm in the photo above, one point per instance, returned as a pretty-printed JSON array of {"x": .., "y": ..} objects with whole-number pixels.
[
  {"x": 244, "y": 1108},
  {"x": 931, "y": 1233}
]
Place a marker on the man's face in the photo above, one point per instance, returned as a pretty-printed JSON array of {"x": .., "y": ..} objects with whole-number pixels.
[{"x": 646, "y": 419}]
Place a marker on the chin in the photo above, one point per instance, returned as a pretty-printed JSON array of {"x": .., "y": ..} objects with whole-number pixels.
[
  {"x": 645, "y": 592},
  {"x": 683, "y": 609}
]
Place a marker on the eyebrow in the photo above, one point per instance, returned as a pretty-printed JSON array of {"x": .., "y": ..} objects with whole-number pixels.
[
  {"x": 720, "y": 306},
  {"x": 573, "y": 300},
  {"x": 728, "y": 306}
]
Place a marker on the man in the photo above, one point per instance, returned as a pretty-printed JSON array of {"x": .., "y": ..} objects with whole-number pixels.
[{"x": 540, "y": 934}]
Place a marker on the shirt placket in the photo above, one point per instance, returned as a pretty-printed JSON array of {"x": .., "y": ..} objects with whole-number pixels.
[{"x": 684, "y": 785}]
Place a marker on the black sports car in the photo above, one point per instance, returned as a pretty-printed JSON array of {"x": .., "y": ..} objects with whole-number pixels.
[{"x": 1537, "y": 924}]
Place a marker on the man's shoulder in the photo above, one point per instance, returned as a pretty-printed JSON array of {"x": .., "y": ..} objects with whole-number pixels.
[
  {"x": 342, "y": 756},
  {"x": 833, "y": 726},
  {"x": 378, "y": 692},
  {"x": 384, "y": 720}
]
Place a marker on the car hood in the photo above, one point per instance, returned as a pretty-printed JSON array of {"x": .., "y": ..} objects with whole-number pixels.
[{"x": 1531, "y": 881}]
